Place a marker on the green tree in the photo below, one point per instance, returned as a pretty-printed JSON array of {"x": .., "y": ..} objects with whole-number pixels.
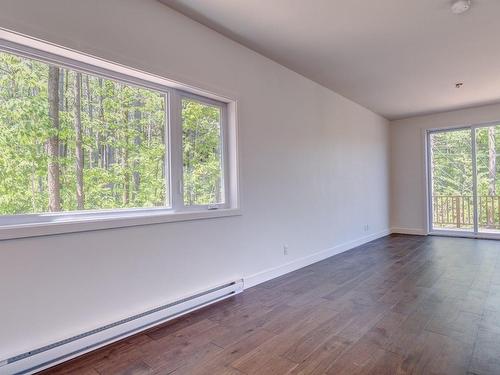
[
  {"x": 201, "y": 140},
  {"x": 72, "y": 141}
]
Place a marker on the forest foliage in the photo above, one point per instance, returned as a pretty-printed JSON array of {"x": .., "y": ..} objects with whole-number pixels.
[
  {"x": 453, "y": 176},
  {"x": 452, "y": 162},
  {"x": 74, "y": 141}
]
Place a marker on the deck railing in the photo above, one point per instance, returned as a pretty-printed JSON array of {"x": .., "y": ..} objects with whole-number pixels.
[{"x": 457, "y": 211}]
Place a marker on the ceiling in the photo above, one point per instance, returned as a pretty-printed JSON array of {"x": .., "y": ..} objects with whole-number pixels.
[{"x": 399, "y": 58}]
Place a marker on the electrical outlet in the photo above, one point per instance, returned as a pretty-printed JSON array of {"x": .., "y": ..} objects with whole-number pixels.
[
  {"x": 285, "y": 249},
  {"x": 366, "y": 227}
]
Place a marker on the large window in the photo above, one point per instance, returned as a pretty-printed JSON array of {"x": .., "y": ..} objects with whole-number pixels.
[
  {"x": 73, "y": 141},
  {"x": 464, "y": 183},
  {"x": 76, "y": 140},
  {"x": 203, "y": 172},
  {"x": 452, "y": 180}
]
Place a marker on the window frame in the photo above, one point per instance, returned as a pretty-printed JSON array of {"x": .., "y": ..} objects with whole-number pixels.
[
  {"x": 474, "y": 232},
  {"x": 49, "y": 223},
  {"x": 224, "y": 148}
]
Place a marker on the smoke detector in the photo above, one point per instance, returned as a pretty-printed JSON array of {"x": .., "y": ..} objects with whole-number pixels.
[{"x": 460, "y": 6}]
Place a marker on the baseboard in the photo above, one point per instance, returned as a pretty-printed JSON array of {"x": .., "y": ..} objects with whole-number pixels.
[
  {"x": 412, "y": 231},
  {"x": 272, "y": 273},
  {"x": 54, "y": 354},
  {"x": 49, "y": 355}
]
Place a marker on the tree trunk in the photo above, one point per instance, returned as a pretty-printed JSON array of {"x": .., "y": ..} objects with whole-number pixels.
[
  {"x": 53, "y": 143},
  {"x": 33, "y": 188},
  {"x": 125, "y": 162},
  {"x": 492, "y": 171},
  {"x": 103, "y": 148},
  {"x": 89, "y": 98},
  {"x": 63, "y": 78},
  {"x": 66, "y": 88},
  {"x": 89, "y": 129},
  {"x": 80, "y": 197},
  {"x": 136, "y": 177},
  {"x": 163, "y": 136},
  {"x": 61, "y": 89},
  {"x": 218, "y": 190}
]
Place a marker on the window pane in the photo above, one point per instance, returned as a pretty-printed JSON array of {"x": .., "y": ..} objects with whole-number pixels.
[
  {"x": 488, "y": 186},
  {"x": 201, "y": 148},
  {"x": 452, "y": 180},
  {"x": 73, "y": 141}
]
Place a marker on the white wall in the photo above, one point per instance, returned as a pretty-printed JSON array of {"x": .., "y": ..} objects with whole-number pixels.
[
  {"x": 408, "y": 180},
  {"x": 314, "y": 170}
]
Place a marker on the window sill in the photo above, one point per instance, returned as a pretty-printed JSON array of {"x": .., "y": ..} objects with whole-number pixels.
[{"x": 93, "y": 222}]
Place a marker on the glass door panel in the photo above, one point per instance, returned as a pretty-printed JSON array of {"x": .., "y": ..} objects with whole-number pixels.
[
  {"x": 487, "y": 172},
  {"x": 451, "y": 180}
]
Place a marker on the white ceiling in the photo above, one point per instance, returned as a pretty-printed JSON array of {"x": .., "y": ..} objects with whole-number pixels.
[{"x": 399, "y": 58}]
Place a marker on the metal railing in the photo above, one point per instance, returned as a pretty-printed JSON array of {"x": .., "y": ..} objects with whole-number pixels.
[{"x": 457, "y": 211}]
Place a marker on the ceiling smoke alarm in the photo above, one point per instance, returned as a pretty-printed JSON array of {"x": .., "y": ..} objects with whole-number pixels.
[{"x": 460, "y": 6}]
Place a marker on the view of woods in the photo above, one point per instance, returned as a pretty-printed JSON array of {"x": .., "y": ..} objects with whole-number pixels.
[
  {"x": 453, "y": 178},
  {"x": 202, "y": 153},
  {"x": 74, "y": 141}
]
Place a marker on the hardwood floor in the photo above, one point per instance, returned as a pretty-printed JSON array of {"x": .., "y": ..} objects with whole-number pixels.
[{"x": 398, "y": 305}]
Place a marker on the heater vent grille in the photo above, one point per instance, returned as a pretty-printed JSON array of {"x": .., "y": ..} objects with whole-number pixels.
[{"x": 233, "y": 288}]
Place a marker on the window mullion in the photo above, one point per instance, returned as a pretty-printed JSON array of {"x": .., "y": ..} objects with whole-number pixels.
[{"x": 176, "y": 151}]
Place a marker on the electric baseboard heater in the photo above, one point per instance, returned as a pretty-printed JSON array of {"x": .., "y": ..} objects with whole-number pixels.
[{"x": 50, "y": 355}]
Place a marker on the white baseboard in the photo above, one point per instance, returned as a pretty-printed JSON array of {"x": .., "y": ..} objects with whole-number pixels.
[
  {"x": 50, "y": 355},
  {"x": 73, "y": 348},
  {"x": 413, "y": 231},
  {"x": 272, "y": 273}
]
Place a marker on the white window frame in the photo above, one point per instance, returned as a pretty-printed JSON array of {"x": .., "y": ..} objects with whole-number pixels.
[
  {"x": 176, "y": 137},
  {"x": 475, "y": 232},
  {"x": 29, "y": 225}
]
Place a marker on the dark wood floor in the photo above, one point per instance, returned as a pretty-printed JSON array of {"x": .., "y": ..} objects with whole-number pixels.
[{"x": 398, "y": 305}]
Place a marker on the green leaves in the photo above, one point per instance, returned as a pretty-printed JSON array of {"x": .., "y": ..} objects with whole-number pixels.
[
  {"x": 452, "y": 173},
  {"x": 123, "y": 142},
  {"x": 201, "y": 145},
  {"x": 119, "y": 122}
]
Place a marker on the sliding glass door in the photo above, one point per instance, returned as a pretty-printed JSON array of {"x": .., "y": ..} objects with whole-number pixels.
[
  {"x": 463, "y": 183},
  {"x": 488, "y": 186},
  {"x": 452, "y": 180}
]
